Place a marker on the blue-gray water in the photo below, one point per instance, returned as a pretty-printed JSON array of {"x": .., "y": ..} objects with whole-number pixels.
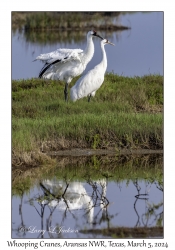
[
  {"x": 137, "y": 52},
  {"x": 84, "y": 207}
]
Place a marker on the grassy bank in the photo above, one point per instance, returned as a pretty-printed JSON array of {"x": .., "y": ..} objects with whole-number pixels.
[
  {"x": 66, "y": 20},
  {"x": 126, "y": 113}
]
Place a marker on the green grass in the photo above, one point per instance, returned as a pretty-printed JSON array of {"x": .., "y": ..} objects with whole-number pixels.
[
  {"x": 125, "y": 113},
  {"x": 65, "y": 20}
]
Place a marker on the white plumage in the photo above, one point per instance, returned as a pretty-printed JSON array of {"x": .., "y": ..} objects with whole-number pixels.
[
  {"x": 65, "y": 64},
  {"x": 61, "y": 54},
  {"x": 88, "y": 84}
]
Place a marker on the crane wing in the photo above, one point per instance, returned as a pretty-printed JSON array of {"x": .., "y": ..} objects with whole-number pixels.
[{"x": 59, "y": 55}]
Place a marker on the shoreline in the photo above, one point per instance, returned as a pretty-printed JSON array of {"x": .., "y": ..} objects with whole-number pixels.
[
  {"x": 90, "y": 152},
  {"x": 33, "y": 159}
]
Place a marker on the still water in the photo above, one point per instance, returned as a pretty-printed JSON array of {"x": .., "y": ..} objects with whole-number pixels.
[
  {"x": 137, "y": 52},
  {"x": 61, "y": 207}
]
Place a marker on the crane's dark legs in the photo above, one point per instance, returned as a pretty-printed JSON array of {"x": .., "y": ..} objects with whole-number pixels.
[
  {"x": 66, "y": 92},
  {"x": 89, "y": 98}
]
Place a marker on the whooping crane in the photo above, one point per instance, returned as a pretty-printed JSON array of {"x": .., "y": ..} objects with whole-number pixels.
[
  {"x": 88, "y": 84},
  {"x": 65, "y": 64}
]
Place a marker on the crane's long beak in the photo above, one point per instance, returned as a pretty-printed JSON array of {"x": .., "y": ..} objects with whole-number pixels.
[
  {"x": 99, "y": 36},
  {"x": 111, "y": 43}
]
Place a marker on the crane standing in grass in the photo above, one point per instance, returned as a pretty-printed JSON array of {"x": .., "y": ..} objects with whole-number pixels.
[
  {"x": 65, "y": 64},
  {"x": 88, "y": 84}
]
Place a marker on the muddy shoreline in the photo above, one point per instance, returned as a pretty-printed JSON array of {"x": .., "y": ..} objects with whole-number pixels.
[
  {"x": 109, "y": 152},
  {"x": 33, "y": 159}
]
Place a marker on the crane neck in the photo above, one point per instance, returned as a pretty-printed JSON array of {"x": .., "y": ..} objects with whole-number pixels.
[
  {"x": 103, "y": 62},
  {"x": 89, "y": 51}
]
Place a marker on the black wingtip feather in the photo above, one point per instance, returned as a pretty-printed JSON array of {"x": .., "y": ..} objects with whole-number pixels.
[{"x": 46, "y": 66}]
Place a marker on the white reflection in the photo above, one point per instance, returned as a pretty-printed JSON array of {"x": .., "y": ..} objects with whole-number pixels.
[{"x": 74, "y": 198}]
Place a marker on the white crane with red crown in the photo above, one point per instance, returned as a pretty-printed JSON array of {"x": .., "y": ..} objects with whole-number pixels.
[{"x": 65, "y": 64}]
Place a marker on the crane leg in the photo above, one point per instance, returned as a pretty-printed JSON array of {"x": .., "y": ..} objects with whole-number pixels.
[
  {"x": 66, "y": 92},
  {"x": 89, "y": 98}
]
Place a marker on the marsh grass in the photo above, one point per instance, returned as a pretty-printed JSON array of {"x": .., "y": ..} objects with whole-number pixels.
[
  {"x": 125, "y": 113},
  {"x": 39, "y": 27},
  {"x": 66, "y": 20}
]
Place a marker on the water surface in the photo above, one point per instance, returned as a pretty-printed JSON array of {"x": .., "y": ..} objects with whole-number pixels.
[
  {"x": 92, "y": 196},
  {"x": 137, "y": 52}
]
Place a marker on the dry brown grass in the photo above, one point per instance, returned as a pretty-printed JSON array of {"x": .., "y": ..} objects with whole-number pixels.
[{"x": 32, "y": 159}]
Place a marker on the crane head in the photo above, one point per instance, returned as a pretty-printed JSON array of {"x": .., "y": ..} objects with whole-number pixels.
[
  {"x": 105, "y": 41},
  {"x": 94, "y": 33}
]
